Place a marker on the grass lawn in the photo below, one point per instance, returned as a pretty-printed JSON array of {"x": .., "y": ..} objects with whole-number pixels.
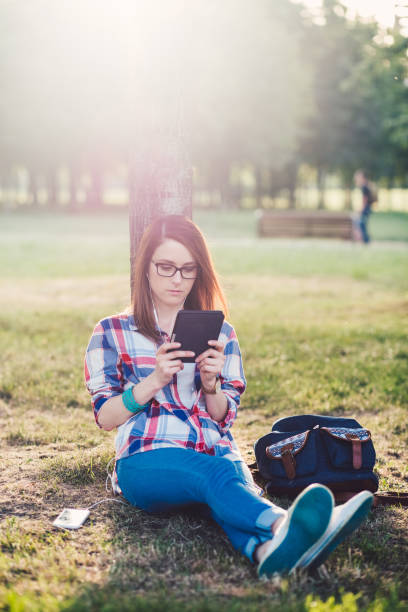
[{"x": 323, "y": 328}]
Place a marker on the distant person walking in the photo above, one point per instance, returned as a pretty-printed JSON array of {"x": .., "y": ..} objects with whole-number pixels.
[{"x": 369, "y": 198}]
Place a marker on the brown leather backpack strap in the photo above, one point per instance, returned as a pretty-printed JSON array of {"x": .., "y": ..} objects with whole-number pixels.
[
  {"x": 357, "y": 451},
  {"x": 289, "y": 462},
  {"x": 357, "y": 455}
]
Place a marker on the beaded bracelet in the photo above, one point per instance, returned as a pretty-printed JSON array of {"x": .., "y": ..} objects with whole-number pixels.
[{"x": 130, "y": 402}]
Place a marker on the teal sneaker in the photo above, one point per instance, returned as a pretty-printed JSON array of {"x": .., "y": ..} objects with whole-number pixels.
[
  {"x": 306, "y": 521},
  {"x": 345, "y": 519}
]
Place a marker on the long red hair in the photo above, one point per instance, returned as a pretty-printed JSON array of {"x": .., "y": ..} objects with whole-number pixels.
[{"x": 206, "y": 293}]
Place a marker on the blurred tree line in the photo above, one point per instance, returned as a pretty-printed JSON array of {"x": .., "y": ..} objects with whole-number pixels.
[{"x": 247, "y": 93}]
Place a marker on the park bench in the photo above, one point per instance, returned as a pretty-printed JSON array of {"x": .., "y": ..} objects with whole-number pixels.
[{"x": 299, "y": 224}]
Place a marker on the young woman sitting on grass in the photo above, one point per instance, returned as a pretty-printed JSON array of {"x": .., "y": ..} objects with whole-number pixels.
[{"x": 174, "y": 446}]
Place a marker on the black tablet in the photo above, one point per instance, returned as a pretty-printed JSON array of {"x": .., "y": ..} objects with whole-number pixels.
[{"x": 194, "y": 328}]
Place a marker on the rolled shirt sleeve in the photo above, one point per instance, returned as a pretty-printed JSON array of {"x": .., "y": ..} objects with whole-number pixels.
[
  {"x": 233, "y": 381},
  {"x": 103, "y": 373}
]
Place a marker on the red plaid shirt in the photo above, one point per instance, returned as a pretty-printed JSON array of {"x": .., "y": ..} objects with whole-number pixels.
[{"x": 119, "y": 356}]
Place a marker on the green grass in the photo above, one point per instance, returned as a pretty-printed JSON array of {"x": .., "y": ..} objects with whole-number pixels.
[
  {"x": 323, "y": 328},
  {"x": 59, "y": 246},
  {"x": 389, "y": 226}
]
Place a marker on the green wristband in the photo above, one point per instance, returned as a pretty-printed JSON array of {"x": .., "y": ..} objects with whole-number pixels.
[{"x": 130, "y": 402}]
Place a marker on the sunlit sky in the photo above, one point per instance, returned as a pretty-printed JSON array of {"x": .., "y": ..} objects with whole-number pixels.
[{"x": 383, "y": 10}]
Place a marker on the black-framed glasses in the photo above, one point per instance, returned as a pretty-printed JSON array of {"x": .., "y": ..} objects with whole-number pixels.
[{"x": 187, "y": 272}]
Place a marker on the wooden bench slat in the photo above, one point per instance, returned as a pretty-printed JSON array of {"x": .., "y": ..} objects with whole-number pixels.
[{"x": 303, "y": 224}]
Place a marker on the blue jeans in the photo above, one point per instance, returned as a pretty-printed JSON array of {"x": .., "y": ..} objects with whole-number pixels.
[
  {"x": 169, "y": 479},
  {"x": 363, "y": 224}
]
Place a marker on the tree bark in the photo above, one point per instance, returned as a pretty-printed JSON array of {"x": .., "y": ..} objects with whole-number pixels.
[{"x": 160, "y": 183}]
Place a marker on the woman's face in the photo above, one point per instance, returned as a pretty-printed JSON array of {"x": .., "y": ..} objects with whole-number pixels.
[{"x": 171, "y": 290}]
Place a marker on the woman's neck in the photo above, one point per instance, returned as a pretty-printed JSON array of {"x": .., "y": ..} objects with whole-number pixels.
[{"x": 167, "y": 317}]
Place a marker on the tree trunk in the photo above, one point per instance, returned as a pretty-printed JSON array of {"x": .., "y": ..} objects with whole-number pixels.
[
  {"x": 275, "y": 185},
  {"x": 52, "y": 191},
  {"x": 160, "y": 183},
  {"x": 73, "y": 188},
  {"x": 33, "y": 188},
  {"x": 94, "y": 199},
  {"x": 390, "y": 184},
  {"x": 321, "y": 178},
  {"x": 258, "y": 187},
  {"x": 238, "y": 194},
  {"x": 224, "y": 182},
  {"x": 292, "y": 174},
  {"x": 347, "y": 175},
  {"x": 348, "y": 203}
]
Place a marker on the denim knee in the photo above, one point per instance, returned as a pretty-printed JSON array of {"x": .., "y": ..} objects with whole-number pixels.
[{"x": 223, "y": 471}]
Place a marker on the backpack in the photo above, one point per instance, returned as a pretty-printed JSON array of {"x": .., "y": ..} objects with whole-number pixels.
[
  {"x": 373, "y": 197},
  {"x": 300, "y": 450}
]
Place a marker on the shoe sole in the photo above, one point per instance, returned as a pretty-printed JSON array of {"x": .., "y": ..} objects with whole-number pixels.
[
  {"x": 363, "y": 506},
  {"x": 308, "y": 517}
]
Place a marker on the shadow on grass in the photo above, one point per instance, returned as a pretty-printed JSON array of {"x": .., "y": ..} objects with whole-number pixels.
[
  {"x": 184, "y": 562},
  {"x": 187, "y": 556}
]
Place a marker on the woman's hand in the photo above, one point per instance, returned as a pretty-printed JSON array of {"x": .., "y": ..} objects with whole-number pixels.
[
  {"x": 168, "y": 363},
  {"x": 210, "y": 363},
  {"x": 113, "y": 412}
]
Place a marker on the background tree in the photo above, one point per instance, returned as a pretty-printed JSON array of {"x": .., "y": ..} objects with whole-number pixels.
[
  {"x": 334, "y": 137},
  {"x": 229, "y": 88}
]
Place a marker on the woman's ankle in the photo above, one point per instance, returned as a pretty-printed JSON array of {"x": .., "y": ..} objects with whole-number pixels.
[
  {"x": 276, "y": 524},
  {"x": 261, "y": 548},
  {"x": 259, "y": 551}
]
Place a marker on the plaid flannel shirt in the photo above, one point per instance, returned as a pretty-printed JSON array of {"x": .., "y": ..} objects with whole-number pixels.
[{"x": 118, "y": 357}]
